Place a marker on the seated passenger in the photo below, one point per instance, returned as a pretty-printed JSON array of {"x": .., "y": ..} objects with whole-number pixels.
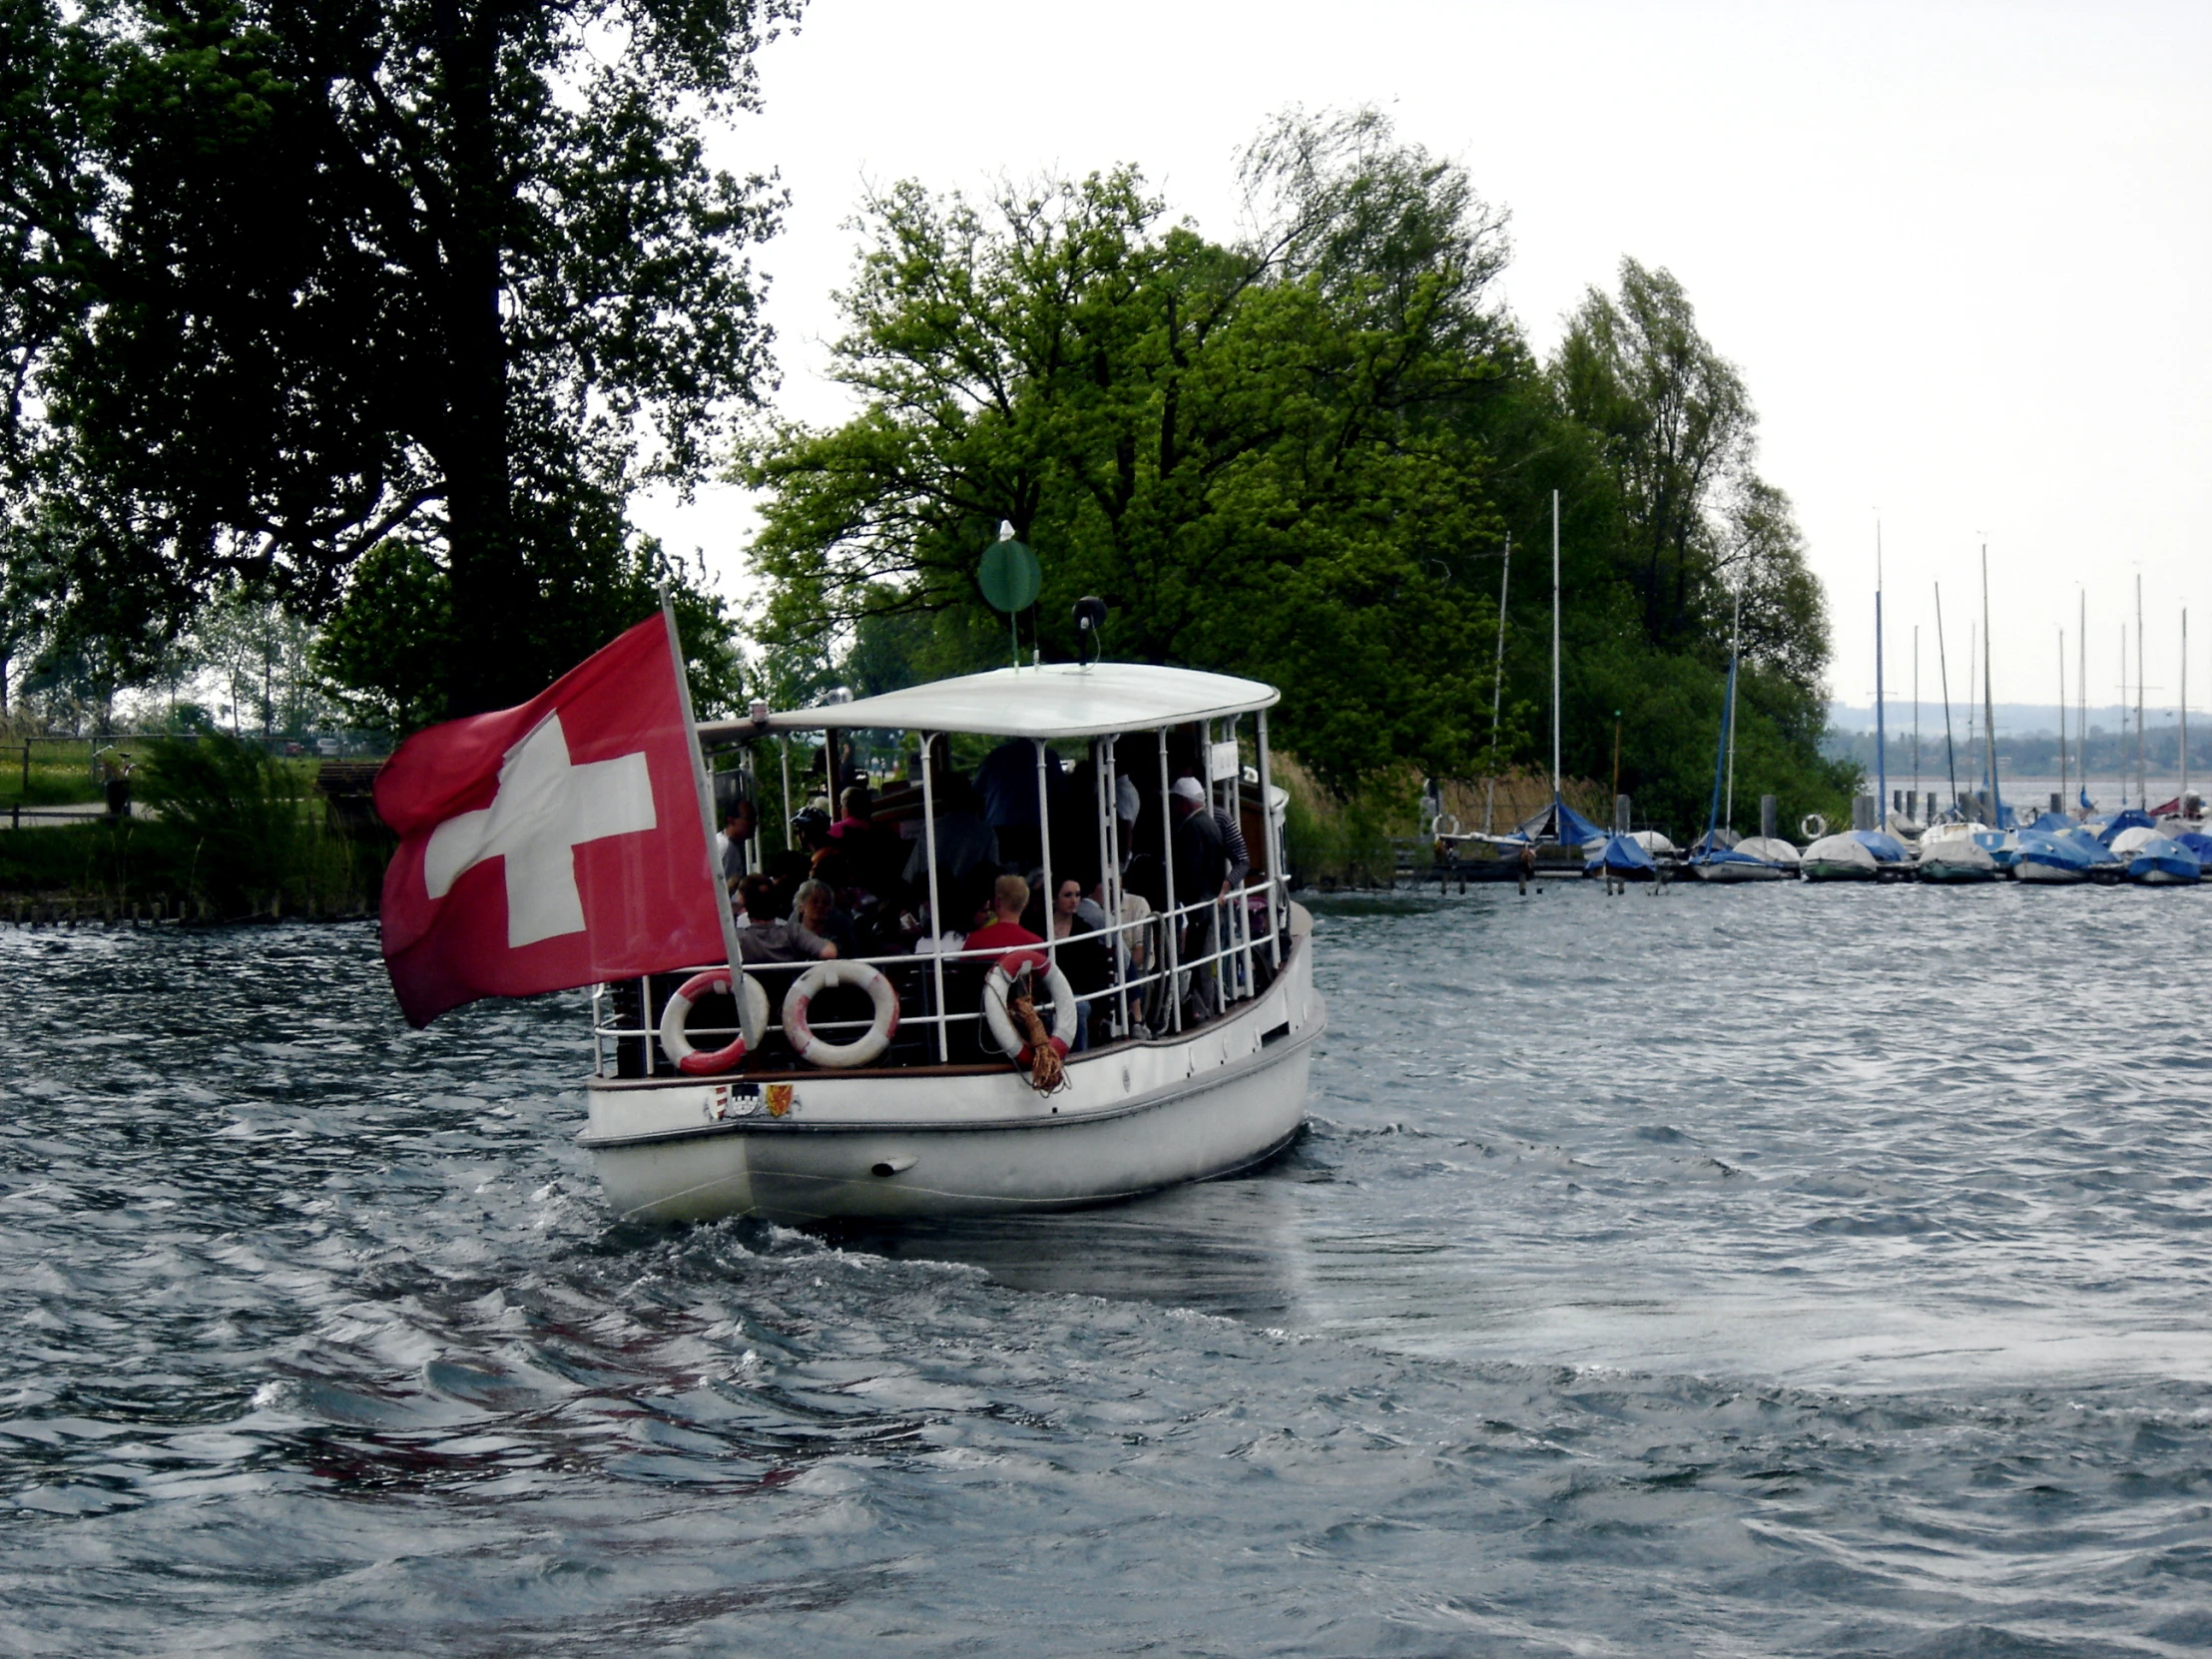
[
  {"x": 1010, "y": 898},
  {"x": 766, "y": 936},
  {"x": 857, "y": 802},
  {"x": 815, "y": 913}
]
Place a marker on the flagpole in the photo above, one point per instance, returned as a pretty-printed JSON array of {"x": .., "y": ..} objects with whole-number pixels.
[{"x": 705, "y": 800}]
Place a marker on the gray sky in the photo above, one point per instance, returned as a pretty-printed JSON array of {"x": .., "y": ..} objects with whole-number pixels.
[{"x": 1958, "y": 251}]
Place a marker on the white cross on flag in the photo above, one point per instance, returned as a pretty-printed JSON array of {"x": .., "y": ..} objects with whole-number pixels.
[{"x": 554, "y": 844}]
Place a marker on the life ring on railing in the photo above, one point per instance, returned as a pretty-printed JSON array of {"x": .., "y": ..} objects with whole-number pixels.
[
  {"x": 1436, "y": 826},
  {"x": 862, "y": 1050},
  {"x": 752, "y": 1023},
  {"x": 998, "y": 984},
  {"x": 1811, "y": 827}
]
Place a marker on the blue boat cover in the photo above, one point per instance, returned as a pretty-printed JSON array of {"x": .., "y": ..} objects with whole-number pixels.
[
  {"x": 2127, "y": 818},
  {"x": 1562, "y": 823},
  {"x": 1621, "y": 855},
  {"x": 2067, "y": 851},
  {"x": 2096, "y": 851},
  {"x": 2198, "y": 842},
  {"x": 2053, "y": 823},
  {"x": 2168, "y": 857},
  {"x": 1886, "y": 848},
  {"x": 1729, "y": 856}
]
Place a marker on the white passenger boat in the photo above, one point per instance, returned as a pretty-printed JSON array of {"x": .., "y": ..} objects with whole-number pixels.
[{"x": 1204, "y": 1033}]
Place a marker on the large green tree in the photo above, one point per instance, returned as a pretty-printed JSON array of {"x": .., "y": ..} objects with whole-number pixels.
[
  {"x": 289, "y": 279},
  {"x": 1245, "y": 448}
]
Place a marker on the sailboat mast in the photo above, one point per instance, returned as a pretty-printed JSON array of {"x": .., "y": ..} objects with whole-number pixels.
[
  {"x": 1943, "y": 664},
  {"x": 1881, "y": 724},
  {"x": 1720, "y": 754},
  {"x": 2081, "y": 689},
  {"x": 1988, "y": 707},
  {"x": 2142, "y": 763},
  {"x": 1555, "y": 645},
  {"x": 1917, "y": 806},
  {"x": 1497, "y": 685},
  {"x": 1973, "y": 707},
  {"x": 2062, "y": 714},
  {"x": 1734, "y": 645},
  {"x": 2184, "y": 711}
]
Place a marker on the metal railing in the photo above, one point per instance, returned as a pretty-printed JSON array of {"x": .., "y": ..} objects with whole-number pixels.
[{"x": 1154, "y": 987}]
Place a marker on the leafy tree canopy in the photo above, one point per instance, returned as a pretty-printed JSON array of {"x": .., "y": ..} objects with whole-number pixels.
[
  {"x": 288, "y": 280},
  {"x": 1298, "y": 454}
]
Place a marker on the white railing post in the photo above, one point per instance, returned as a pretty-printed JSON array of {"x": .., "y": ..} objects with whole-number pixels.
[
  {"x": 937, "y": 913},
  {"x": 1170, "y": 945},
  {"x": 1274, "y": 849},
  {"x": 1044, "y": 852},
  {"x": 1109, "y": 844}
]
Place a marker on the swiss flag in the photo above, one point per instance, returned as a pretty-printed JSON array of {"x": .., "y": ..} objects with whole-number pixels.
[{"x": 555, "y": 844}]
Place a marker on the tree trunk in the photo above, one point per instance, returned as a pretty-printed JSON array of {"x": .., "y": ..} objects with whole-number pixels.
[{"x": 491, "y": 595}]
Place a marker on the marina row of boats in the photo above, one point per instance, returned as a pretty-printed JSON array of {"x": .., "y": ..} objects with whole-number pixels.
[{"x": 2128, "y": 846}]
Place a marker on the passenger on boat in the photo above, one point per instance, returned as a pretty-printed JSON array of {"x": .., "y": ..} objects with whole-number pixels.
[
  {"x": 738, "y": 824},
  {"x": 1200, "y": 868},
  {"x": 1004, "y": 931},
  {"x": 964, "y": 841},
  {"x": 855, "y": 803},
  {"x": 1081, "y": 954},
  {"x": 816, "y": 911},
  {"x": 767, "y": 936},
  {"x": 1007, "y": 784}
]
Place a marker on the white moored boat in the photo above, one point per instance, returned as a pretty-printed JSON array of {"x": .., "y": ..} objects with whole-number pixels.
[
  {"x": 1949, "y": 854},
  {"x": 1837, "y": 858},
  {"x": 923, "y": 1114}
]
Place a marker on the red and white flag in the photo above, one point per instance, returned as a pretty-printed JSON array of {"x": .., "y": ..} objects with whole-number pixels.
[{"x": 555, "y": 844}]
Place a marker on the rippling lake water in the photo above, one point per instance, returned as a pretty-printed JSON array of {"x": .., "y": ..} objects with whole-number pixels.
[{"x": 1761, "y": 1271}]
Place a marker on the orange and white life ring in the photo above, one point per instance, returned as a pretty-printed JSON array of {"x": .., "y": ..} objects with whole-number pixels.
[
  {"x": 868, "y": 1044},
  {"x": 998, "y": 984},
  {"x": 752, "y": 1023}
]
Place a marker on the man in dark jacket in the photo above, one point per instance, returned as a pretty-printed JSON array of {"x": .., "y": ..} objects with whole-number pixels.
[{"x": 1201, "y": 874}]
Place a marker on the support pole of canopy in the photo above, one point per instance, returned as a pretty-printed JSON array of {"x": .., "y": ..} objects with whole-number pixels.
[
  {"x": 936, "y": 910},
  {"x": 1109, "y": 830},
  {"x": 1555, "y": 646},
  {"x": 1171, "y": 931},
  {"x": 1498, "y": 688},
  {"x": 1274, "y": 848},
  {"x": 706, "y": 790},
  {"x": 1050, "y": 895},
  {"x": 784, "y": 752}
]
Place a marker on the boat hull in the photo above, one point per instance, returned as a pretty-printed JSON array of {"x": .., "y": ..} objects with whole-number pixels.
[
  {"x": 1823, "y": 869},
  {"x": 1951, "y": 875},
  {"x": 2035, "y": 869},
  {"x": 1135, "y": 1117},
  {"x": 2156, "y": 876},
  {"x": 1724, "y": 871}
]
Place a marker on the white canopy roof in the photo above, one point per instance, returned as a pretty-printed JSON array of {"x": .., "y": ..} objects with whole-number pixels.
[{"x": 1057, "y": 700}]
